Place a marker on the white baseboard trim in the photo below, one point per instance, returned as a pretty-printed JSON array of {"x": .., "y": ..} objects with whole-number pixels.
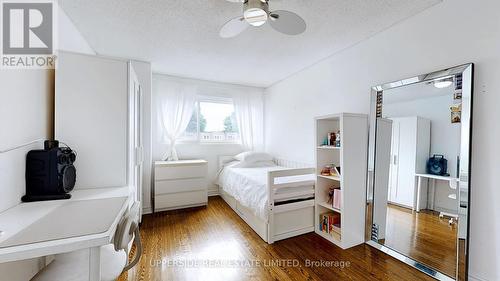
[
  {"x": 444, "y": 210},
  {"x": 212, "y": 193},
  {"x": 475, "y": 278},
  {"x": 147, "y": 210}
]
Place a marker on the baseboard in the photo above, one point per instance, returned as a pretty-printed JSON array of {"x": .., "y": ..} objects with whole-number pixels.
[
  {"x": 444, "y": 210},
  {"x": 475, "y": 278},
  {"x": 399, "y": 205},
  {"x": 147, "y": 210},
  {"x": 213, "y": 191}
]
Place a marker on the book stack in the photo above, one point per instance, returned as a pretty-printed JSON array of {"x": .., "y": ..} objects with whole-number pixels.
[{"x": 329, "y": 223}]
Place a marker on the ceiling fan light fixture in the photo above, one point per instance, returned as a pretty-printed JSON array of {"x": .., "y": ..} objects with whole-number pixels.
[
  {"x": 256, "y": 12},
  {"x": 443, "y": 83},
  {"x": 255, "y": 16}
]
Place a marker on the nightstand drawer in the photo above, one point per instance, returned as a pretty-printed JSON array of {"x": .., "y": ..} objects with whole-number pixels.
[
  {"x": 180, "y": 172},
  {"x": 179, "y": 200},
  {"x": 180, "y": 185}
]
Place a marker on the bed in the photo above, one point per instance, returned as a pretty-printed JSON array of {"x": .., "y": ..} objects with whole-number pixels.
[{"x": 277, "y": 202}]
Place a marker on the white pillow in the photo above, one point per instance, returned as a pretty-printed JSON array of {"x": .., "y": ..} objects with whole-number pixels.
[
  {"x": 259, "y": 164},
  {"x": 252, "y": 157}
]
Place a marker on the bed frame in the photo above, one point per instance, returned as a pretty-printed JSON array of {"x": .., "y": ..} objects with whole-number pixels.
[{"x": 284, "y": 219}]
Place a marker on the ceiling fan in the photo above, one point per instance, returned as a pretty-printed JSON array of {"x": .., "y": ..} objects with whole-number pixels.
[{"x": 256, "y": 13}]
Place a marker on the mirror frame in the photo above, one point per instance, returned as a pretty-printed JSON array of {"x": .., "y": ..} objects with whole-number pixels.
[{"x": 467, "y": 71}]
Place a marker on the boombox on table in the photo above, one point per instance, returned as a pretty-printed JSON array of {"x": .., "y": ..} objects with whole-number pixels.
[{"x": 50, "y": 174}]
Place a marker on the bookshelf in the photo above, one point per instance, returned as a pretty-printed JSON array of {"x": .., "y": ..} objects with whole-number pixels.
[{"x": 350, "y": 155}]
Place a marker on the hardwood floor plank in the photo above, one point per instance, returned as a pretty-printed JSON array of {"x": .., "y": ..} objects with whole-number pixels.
[
  {"x": 216, "y": 234},
  {"x": 422, "y": 236}
]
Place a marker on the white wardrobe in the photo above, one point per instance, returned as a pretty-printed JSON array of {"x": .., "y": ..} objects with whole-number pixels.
[
  {"x": 410, "y": 148},
  {"x": 98, "y": 112}
]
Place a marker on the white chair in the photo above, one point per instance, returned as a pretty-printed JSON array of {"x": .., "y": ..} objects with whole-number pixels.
[
  {"x": 74, "y": 266},
  {"x": 453, "y": 196}
]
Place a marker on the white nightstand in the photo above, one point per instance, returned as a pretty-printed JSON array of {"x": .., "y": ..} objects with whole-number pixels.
[{"x": 180, "y": 184}]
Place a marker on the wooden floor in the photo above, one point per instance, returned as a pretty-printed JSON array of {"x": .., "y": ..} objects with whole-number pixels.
[
  {"x": 213, "y": 243},
  {"x": 424, "y": 237}
]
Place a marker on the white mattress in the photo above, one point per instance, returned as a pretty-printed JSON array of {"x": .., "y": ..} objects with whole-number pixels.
[{"x": 249, "y": 186}]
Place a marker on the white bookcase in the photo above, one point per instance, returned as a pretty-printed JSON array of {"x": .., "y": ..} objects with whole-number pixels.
[{"x": 351, "y": 157}]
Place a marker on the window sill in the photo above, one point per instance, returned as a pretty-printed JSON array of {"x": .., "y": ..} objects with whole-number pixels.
[{"x": 207, "y": 143}]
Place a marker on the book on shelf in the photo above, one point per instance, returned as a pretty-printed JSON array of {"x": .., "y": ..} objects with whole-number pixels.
[{"x": 329, "y": 222}]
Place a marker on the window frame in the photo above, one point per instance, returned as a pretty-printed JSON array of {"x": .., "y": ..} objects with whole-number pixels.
[{"x": 198, "y": 140}]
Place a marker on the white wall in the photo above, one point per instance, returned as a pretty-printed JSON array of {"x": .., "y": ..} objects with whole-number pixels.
[
  {"x": 445, "y": 137},
  {"x": 209, "y": 152},
  {"x": 449, "y": 34},
  {"x": 26, "y": 114}
]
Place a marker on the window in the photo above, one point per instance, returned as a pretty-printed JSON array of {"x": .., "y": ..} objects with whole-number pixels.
[{"x": 213, "y": 121}]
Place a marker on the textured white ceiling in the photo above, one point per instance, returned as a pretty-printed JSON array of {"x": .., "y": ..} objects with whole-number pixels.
[
  {"x": 180, "y": 37},
  {"x": 423, "y": 90}
]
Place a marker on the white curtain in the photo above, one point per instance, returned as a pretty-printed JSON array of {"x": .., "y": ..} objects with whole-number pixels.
[
  {"x": 249, "y": 109},
  {"x": 175, "y": 105}
]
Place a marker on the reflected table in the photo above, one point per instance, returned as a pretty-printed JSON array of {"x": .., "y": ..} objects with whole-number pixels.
[{"x": 432, "y": 185}]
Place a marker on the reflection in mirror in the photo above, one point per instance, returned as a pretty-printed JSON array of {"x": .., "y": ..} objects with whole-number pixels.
[{"x": 419, "y": 170}]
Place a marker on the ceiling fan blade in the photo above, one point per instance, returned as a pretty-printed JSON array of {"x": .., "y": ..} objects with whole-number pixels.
[
  {"x": 287, "y": 22},
  {"x": 233, "y": 27},
  {"x": 242, "y": 1}
]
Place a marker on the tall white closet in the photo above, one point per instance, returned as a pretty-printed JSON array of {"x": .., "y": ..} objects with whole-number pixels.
[
  {"x": 98, "y": 112},
  {"x": 410, "y": 148}
]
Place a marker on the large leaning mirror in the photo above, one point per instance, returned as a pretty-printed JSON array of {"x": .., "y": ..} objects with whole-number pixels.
[{"x": 419, "y": 171}]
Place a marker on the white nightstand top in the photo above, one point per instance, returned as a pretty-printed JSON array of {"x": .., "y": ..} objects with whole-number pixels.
[{"x": 181, "y": 162}]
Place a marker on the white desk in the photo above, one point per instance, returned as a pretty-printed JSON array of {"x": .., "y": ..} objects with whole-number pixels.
[
  {"x": 432, "y": 185},
  {"x": 87, "y": 220}
]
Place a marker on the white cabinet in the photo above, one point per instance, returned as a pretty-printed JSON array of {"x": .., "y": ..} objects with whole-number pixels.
[
  {"x": 91, "y": 116},
  {"x": 410, "y": 146},
  {"x": 180, "y": 184},
  {"x": 98, "y": 112}
]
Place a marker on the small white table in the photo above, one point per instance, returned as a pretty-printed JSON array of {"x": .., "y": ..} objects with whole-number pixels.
[
  {"x": 86, "y": 221},
  {"x": 432, "y": 185}
]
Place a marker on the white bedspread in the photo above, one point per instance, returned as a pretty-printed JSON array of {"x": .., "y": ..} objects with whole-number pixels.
[{"x": 249, "y": 185}]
